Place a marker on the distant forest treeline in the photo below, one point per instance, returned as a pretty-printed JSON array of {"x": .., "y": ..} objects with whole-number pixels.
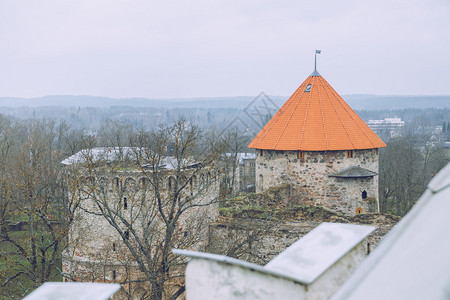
[
  {"x": 356, "y": 101},
  {"x": 91, "y": 118},
  {"x": 89, "y": 112}
]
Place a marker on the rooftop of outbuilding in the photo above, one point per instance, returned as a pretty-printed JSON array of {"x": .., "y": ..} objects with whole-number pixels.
[{"x": 353, "y": 172}]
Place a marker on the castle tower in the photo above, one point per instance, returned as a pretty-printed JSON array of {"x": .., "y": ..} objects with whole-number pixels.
[{"x": 319, "y": 145}]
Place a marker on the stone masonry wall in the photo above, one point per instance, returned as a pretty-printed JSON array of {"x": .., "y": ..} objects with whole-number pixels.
[
  {"x": 91, "y": 234},
  {"x": 268, "y": 239},
  {"x": 257, "y": 227},
  {"x": 310, "y": 181}
]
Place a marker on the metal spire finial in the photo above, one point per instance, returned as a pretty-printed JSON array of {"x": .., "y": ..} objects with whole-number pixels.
[{"x": 315, "y": 73}]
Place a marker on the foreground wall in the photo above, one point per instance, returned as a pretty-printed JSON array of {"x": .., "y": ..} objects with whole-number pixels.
[
  {"x": 268, "y": 239},
  {"x": 314, "y": 267}
]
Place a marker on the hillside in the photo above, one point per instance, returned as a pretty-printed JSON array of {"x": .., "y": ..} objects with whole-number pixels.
[{"x": 359, "y": 102}]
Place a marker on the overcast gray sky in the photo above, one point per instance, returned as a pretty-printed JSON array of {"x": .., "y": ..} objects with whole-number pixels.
[{"x": 137, "y": 48}]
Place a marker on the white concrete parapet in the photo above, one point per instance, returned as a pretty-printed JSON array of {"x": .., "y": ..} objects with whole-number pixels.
[
  {"x": 74, "y": 291},
  {"x": 314, "y": 267}
]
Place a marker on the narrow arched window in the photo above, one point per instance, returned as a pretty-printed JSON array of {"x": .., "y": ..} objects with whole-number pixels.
[
  {"x": 171, "y": 184},
  {"x": 201, "y": 184},
  {"x": 208, "y": 180},
  {"x": 364, "y": 195},
  {"x": 261, "y": 182},
  {"x": 125, "y": 203},
  {"x": 193, "y": 184}
]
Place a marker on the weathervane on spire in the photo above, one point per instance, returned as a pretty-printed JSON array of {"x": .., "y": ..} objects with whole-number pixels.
[
  {"x": 315, "y": 59},
  {"x": 315, "y": 73}
]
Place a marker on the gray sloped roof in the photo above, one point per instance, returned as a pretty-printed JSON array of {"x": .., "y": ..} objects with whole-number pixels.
[
  {"x": 353, "y": 172},
  {"x": 413, "y": 260},
  {"x": 122, "y": 153},
  {"x": 100, "y": 153},
  {"x": 74, "y": 291}
]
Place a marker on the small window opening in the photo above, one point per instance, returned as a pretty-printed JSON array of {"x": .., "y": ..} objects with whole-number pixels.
[
  {"x": 127, "y": 234},
  {"x": 359, "y": 210},
  {"x": 143, "y": 182},
  {"x": 114, "y": 246},
  {"x": 308, "y": 88},
  {"x": 125, "y": 203},
  {"x": 116, "y": 182},
  {"x": 114, "y": 274},
  {"x": 364, "y": 195},
  {"x": 368, "y": 248},
  {"x": 300, "y": 154},
  {"x": 185, "y": 234},
  {"x": 261, "y": 152},
  {"x": 349, "y": 153}
]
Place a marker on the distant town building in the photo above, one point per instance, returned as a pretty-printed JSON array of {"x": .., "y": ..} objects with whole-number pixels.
[
  {"x": 247, "y": 171},
  {"x": 388, "y": 127}
]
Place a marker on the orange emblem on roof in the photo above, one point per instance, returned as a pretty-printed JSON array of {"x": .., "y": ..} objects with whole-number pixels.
[{"x": 316, "y": 118}]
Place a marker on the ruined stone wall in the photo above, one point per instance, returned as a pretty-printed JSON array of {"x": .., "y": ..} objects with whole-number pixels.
[
  {"x": 310, "y": 181},
  {"x": 105, "y": 268},
  {"x": 267, "y": 239}
]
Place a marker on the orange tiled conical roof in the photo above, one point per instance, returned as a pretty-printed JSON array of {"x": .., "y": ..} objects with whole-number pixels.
[{"x": 316, "y": 118}]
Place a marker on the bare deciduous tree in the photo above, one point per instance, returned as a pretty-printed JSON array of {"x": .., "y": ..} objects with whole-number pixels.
[
  {"x": 33, "y": 196},
  {"x": 234, "y": 143},
  {"x": 407, "y": 164}
]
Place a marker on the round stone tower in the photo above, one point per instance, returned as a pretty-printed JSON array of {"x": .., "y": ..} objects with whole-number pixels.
[{"x": 320, "y": 146}]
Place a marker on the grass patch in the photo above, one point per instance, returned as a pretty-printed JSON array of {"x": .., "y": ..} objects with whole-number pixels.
[
  {"x": 11, "y": 262},
  {"x": 246, "y": 211}
]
